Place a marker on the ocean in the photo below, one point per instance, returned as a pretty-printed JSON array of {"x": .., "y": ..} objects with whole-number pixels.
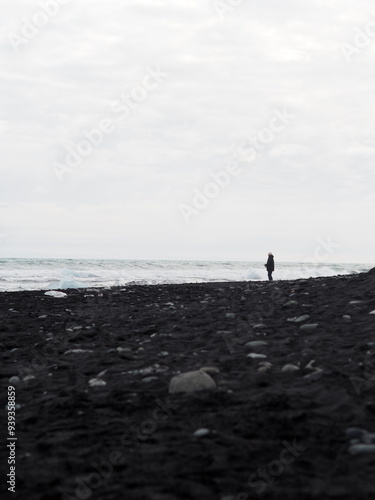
[{"x": 49, "y": 274}]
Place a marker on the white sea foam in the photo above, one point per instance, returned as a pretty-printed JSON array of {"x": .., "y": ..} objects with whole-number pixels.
[{"x": 47, "y": 274}]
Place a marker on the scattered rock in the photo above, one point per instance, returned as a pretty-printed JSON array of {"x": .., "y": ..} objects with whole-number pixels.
[
  {"x": 259, "y": 326},
  {"x": 256, "y": 343},
  {"x": 28, "y": 378},
  {"x": 315, "y": 375},
  {"x": 356, "y": 449},
  {"x": 96, "y": 382},
  {"x": 290, "y": 303},
  {"x": 124, "y": 349},
  {"x": 290, "y": 368},
  {"x": 372, "y": 312},
  {"x": 149, "y": 379},
  {"x": 265, "y": 363},
  {"x": 346, "y": 317},
  {"x": 57, "y": 295},
  {"x": 14, "y": 380},
  {"x": 230, "y": 315},
  {"x": 308, "y": 327},
  {"x": 310, "y": 366},
  {"x": 77, "y": 351},
  {"x": 209, "y": 369},
  {"x": 299, "y": 319},
  {"x": 191, "y": 382},
  {"x": 355, "y": 432},
  {"x": 201, "y": 432},
  {"x": 255, "y": 355},
  {"x": 354, "y": 302},
  {"x": 263, "y": 369}
]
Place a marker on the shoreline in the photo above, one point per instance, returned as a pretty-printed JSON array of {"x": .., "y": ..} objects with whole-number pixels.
[
  {"x": 96, "y": 419},
  {"x": 227, "y": 282}
]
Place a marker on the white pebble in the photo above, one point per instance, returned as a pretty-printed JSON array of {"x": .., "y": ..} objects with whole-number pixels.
[
  {"x": 299, "y": 319},
  {"x": 201, "y": 432},
  {"x": 290, "y": 368},
  {"x": 57, "y": 295},
  {"x": 255, "y": 355},
  {"x": 14, "y": 380},
  {"x": 96, "y": 382},
  {"x": 256, "y": 343},
  {"x": 308, "y": 326},
  {"x": 265, "y": 363},
  {"x": 123, "y": 349}
]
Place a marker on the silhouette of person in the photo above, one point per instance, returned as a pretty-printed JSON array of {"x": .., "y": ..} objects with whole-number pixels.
[{"x": 270, "y": 266}]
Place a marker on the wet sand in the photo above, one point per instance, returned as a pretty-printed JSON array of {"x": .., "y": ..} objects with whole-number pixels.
[{"x": 96, "y": 419}]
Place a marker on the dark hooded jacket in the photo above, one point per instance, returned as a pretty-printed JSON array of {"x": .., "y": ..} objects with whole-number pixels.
[{"x": 270, "y": 263}]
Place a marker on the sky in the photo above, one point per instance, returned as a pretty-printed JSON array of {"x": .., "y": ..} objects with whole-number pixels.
[{"x": 189, "y": 129}]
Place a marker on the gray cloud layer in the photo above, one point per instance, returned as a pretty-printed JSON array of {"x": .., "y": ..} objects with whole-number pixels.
[{"x": 219, "y": 80}]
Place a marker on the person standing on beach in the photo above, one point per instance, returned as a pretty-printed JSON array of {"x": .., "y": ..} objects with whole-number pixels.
[{"x": 270, "y": 266}]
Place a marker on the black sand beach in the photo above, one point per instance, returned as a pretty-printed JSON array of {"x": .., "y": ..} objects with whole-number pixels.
[{"x": 96, "y": 420}]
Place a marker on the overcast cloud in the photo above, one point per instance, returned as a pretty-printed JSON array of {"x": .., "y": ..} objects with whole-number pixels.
[{"x": 179, "y": 89}]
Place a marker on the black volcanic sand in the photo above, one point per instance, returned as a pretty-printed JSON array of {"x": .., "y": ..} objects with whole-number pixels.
[{"x": 68, "y": 431}]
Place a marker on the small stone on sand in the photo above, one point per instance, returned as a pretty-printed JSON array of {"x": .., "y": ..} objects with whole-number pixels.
[
  {"x": 355, "y": 432},
  {"x": 201, "y": 432},
  {"x": 308, "y": 327},
  {"x": 356, "y": 449},
  {"x": 265, "y": 363},
  {"x": 263, "y": 369},
  {"x": 290, "y": 368},
  {"x": 209, "y": 369},
  {"x": 191, "y": 382},
  {"x": 299, "y": 319},
  {"x": 290, "y": 303},
  {"x": 256, "y": 343},
  {"x": 96, "y": 382},
  {"x": 57, "y": 295},
  {"x": 255, "y": 355},
  {"x": 14, "y": 380}
]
